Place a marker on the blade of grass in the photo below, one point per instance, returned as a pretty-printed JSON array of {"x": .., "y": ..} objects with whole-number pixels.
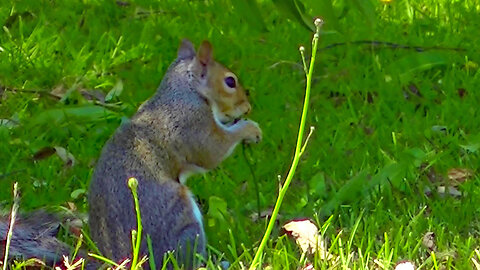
[
  {"x": 150, "y": 252},
  {"x": 16, "y": 202},
  {"x": 104, "y": 259},
  {"x": 300, "y": 147}
]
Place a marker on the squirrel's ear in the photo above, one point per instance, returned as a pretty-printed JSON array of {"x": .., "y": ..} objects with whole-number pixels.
[
  {"x": 186, "y": 50},
  {"x": 205, "y": 53}
]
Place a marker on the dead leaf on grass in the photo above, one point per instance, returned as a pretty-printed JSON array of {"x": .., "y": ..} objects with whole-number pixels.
[
  {"x": 93, "y": 95},
  {"x": 59, "y": 91},
  {"x": 307, "y": 237},
  {"x": 65, "y": 156},
  {"x": 44, "y": 153},
  {"x": 61, "y": 152},
  {"x": 459, "y": 175},
  {"x": 428, "y": 241},
  {"x": 8, "y": 123}
]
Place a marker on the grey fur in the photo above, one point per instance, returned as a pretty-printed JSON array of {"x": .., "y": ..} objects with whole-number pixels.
[{"x": 33, "y": 236}]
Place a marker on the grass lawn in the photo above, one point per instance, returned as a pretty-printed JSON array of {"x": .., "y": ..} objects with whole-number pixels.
[{"x": 395, "y": 152}]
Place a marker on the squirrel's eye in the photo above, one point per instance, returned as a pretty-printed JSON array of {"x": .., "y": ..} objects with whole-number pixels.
[{"x": 230, "y": 82}]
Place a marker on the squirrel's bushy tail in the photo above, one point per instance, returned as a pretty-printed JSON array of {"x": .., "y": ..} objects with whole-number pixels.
[{"x": 34, "y": 236}]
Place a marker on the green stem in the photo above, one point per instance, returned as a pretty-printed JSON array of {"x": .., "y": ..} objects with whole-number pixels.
[
  {"x": 13, "y": 214},
  {"x": 133, "y": 184},
  {"x": 296, "y": 158}
]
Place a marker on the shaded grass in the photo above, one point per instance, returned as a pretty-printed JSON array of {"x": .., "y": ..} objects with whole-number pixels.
[{"x": 370, "y": 122}]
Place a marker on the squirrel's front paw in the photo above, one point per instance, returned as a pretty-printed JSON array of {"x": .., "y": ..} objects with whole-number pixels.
[{"x": 253, "y": 133}]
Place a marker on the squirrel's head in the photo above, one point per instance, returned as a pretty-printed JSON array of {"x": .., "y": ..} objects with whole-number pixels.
[{"x": 218, "y": 84}]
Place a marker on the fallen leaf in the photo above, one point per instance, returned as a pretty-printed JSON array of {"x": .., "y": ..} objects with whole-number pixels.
[
  {"x": 8, "y": 123},
  {"x": 43, "y": 153},
  {"x": 59, "y": 91},
  {"x": 66, "y": 156},
  {"x": 305, "y": 234},
  {"x": 428, "y": 241},
  {"x": 71, "y": 206},
  {"x": 458, "y": 175},
  {"x": 93, "y": 95}
]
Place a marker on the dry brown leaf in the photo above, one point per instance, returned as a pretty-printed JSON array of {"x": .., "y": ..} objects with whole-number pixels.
[
  {"x": 93, "y": 95},
  {"x": 305, "y": 234},
  {"x": 43, "y": 153},
  {"x": 71, "y": 206},
  {"x": 428, "y": 241},
  {"x": 59, "y": 91},
  {"x": 61, "y": 152},
  {"x": 459, "y": 175}
]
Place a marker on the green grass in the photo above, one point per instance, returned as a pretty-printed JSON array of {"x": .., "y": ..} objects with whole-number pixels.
[{"x": 376, "y": 147}]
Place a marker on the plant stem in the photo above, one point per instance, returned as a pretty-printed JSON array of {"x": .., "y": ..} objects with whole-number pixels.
[
  {"x": 13, "y": 214},
  {"x": 133, "y": 183},
  {"x": 297, "y": 155}
]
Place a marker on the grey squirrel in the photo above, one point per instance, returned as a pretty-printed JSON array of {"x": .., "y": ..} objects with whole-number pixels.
[{"x": 190, "y": 125}]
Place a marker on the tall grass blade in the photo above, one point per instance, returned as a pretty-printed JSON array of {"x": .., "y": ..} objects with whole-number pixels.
[{"x": 13, "y": 215}]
